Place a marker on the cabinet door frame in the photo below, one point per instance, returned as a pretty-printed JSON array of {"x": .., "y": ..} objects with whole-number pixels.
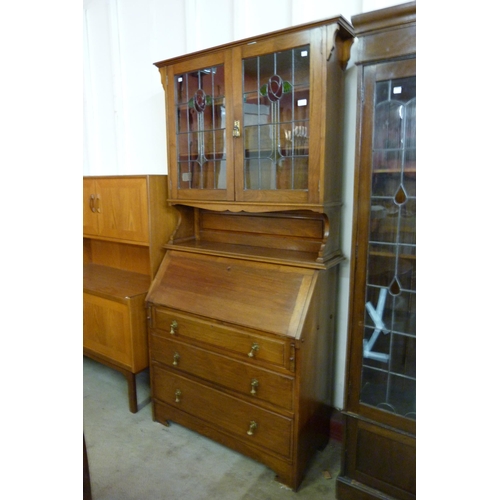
[{"x": 369, "y": 76}]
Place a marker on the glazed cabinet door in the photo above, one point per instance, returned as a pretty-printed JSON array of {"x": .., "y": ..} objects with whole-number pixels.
[
  {"x": 199, "y": 127},
  {"x": 273, "y": 103},
  {"x": 384, "y": 322}
]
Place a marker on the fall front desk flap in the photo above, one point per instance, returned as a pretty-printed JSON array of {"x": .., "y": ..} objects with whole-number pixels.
[{"x": 263, "y": 296}]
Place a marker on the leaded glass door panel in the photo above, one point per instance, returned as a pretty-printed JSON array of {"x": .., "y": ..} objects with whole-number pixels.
[
  {"x": 388, "y": 368},
  {"x": 276, "y": 131},
  {"x": 202, "y": 154}
]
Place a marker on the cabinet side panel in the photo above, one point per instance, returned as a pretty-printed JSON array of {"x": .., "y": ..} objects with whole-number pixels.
[
  {"x": 334, "y": 125},
  {"x": 315, "y": 370},
  {"x": 162, "y": 220}
]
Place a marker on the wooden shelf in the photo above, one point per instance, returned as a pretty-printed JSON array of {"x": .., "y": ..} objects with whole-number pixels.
[
  {"x": 115, "y": 283},
  {"x": 273, "y": 255}
]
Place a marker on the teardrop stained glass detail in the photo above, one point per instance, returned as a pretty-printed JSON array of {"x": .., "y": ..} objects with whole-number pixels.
[
  {"x": 400, "y": 197},
  {"x": 395, "y": 287}
]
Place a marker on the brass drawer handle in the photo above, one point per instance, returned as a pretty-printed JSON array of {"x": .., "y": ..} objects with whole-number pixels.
[
  {"x": 253, "y": 426},
  {"x": 176, "y": 359},
  {"x": 253, "y": 350},
  {"x": 178, "y": 394},
  {"x": 173, "y": 327},
  {"x": 254, "y": 384}
]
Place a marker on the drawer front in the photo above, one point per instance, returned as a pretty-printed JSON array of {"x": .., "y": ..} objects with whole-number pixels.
[
  {"x": 248, "y": 379},
  {"x": 245, "y": 344},
  {"x": 243, "y": 420}
]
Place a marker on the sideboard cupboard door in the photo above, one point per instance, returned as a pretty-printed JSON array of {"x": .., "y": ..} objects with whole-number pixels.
[
  {"x": 124, "y": 209},
  {"x": 116, "y": 208}
]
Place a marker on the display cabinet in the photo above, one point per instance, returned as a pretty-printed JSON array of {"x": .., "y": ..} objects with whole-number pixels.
[
  {"x": 248, "y": 119},
  {"x": 242, "y": 309},
  {"x": 126, "y": 222},
  {"x": 380, "y": 403}
]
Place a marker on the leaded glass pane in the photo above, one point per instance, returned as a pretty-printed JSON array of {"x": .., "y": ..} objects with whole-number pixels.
[
  {"x": 389, "y": 346},
  {"x": 201, "y": 129},
  {"x": 276, "y": 120}
]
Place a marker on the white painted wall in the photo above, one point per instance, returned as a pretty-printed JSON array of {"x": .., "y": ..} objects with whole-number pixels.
[{"x": 124, "y": 114}]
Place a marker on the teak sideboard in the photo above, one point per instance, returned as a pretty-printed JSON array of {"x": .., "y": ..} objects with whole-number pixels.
[
  {"x": 126, "y": 222},
  {"x": 242, "y": 309}
]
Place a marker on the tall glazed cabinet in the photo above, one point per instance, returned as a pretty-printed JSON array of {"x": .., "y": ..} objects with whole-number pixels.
[
  {"x": 380, "y": 402},
  {"x": 242, "y": 310}
]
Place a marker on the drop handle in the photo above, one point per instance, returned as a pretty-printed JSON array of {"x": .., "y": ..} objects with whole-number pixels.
[
  {"x": 176, "y": 359},
  {"x": 253, "y": 350},
  {"x": 178, "y": 395},
  {"x": 251, "y": 429},
  {"x": 173, "y": 327},
  {"x": 254, "y": 384}
]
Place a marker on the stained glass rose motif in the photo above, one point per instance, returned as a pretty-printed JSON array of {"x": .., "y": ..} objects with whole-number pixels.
[
  {"x": 200, "y": 100},
  {"x": 275, "y": 88}
]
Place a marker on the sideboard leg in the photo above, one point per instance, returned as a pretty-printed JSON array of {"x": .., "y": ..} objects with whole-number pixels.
[{"x": 132, "y": 391}]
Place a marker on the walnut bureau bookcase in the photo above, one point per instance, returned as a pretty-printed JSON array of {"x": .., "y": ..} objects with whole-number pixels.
[
  {"x": 126, "y": 222},
  {"x": 242, "y": 309},
  {"x": 380, "y": 402}
]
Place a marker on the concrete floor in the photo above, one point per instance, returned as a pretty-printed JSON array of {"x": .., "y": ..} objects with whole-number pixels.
[{"x": 133, "y": 458}]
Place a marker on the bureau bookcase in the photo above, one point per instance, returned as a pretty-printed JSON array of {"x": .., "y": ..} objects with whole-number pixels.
[{"x": 242, "y": 309}]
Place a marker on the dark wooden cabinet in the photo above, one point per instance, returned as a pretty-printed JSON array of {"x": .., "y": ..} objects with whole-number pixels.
[
  {"x": 242, "y": 309},
  {"x": 379, "y": 458}
]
